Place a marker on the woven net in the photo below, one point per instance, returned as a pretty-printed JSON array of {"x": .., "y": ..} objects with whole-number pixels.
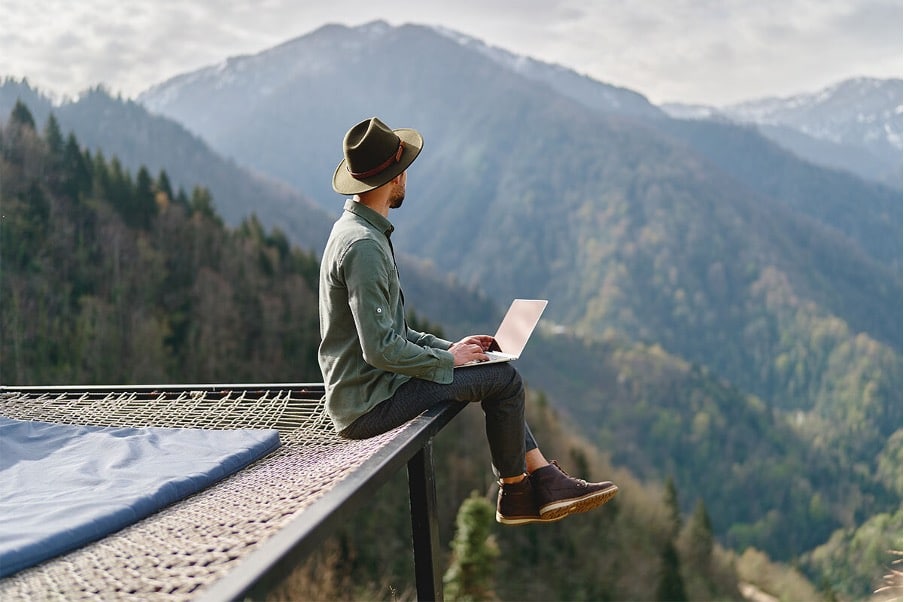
[{"x": 174, "y": 553}]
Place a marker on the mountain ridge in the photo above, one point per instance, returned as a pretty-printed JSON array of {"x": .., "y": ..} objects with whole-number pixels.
[
  {"x": 139, "y": 139},
  {"x": 124, "y": 128},
  {"x": 592, "y": 93},
  {"x": 852, "y": 125},
  {"x": 559, "y": 141}
]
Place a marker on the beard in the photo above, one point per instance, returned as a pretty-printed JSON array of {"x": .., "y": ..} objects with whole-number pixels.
[{"x": 398, "y": 195}]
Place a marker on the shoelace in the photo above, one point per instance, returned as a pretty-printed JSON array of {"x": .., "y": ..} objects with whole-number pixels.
[{"x": 580, "y": 482}]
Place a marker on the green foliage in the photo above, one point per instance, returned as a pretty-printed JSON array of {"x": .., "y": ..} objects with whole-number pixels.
[
  {"x": 474, "y": 553},
  {"x": 769, "y": 480},
  {"x": 53, "y": 137},
  {"x": 21, "y": 117},
  {"x": 759, "y": 575},
  {"x": 852, "y": 563},
  {"x": 670, "y": 499},
  {"x": 670, "y": 587},
  {"x": 107, "y": 281},
  {"x": 698, "y": 537},
  {"x": 889, "y": 462},
  {"x": 108, "y": 278}
]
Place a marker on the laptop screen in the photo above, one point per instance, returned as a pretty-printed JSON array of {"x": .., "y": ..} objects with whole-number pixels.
[{"x": 518, "y": 324}]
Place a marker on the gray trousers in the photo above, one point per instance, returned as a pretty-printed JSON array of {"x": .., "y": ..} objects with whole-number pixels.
[{"x": 498, "y": 388}]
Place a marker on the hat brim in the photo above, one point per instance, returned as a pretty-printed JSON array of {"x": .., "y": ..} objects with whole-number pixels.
[{"x": 344, "y": 183}]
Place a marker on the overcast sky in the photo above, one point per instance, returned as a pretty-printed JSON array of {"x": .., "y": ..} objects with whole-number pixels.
[{"x": 698, "y": 51}]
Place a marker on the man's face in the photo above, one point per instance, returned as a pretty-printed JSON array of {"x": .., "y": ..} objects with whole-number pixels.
[{"x": 398, "y": 192}]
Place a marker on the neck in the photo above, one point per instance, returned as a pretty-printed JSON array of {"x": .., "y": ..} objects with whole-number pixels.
[{"x": 377, "y": 202}]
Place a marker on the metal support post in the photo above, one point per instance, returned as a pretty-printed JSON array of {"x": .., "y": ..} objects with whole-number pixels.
[{"x": 425, "y": 524}]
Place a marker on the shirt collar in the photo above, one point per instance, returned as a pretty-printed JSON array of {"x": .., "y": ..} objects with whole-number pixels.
[{"x": 366, "y": 213}]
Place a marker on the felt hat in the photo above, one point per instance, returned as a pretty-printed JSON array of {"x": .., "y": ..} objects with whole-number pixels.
[{"x": 373, "y": 155}]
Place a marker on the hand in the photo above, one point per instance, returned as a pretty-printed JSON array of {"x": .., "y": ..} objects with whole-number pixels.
[{"x": 470, "y": 349}]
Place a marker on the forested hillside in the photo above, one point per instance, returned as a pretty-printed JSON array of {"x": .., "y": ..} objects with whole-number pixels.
[
  {"x": 115, "y": 126},
  {"x": 706, "y": 239},
  {"x": 124, "y": 129},
  {"x": 109, "y": 277},
  {"x": 113, "y": 277}
]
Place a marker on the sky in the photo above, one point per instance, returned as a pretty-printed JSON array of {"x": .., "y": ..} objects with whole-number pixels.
[{"x": 693, "y": 51}]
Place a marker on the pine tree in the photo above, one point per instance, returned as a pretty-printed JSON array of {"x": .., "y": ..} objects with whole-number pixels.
[
  {"x": 670, "y": 499},
  {"x": 671, "y": 584},
  {"x": 21, "y": 116},
  {"x": 202, "y": 204},
  {"x": 164, "y": 186},
  {"x": 21, "y": 145},
  {"x": 700, "y": 536},
  {"x": 76, "y": 169},
  {"x": 54, "y": 137},
  {"x": 144, "y": 204},
  {"x": 474, "y": 552}
]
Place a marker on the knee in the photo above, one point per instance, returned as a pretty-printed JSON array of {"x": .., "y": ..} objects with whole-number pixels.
[{"x": 511, "y": 376}]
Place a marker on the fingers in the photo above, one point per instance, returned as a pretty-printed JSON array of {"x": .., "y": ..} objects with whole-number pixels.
[
  {"x": 484, "y": 340},
  {"x": 467, "y": 352},
  {"x": 473, "y": 349}
]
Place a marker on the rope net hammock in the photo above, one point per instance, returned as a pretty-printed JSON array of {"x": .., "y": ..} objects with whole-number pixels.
[{"x": 176, "y": 552}]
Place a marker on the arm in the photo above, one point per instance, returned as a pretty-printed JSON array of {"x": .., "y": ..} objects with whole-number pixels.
[
  {"x": 425, "y": 339},
  {"x": 373, "y": 297}
]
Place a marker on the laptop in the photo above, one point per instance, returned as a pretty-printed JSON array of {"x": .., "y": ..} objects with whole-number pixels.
[{"x": 514, "y": 331}]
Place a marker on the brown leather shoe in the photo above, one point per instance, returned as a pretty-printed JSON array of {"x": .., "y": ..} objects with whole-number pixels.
[
  {"x": 517, "y": 504},
  {"x": 558, "y": 494}
]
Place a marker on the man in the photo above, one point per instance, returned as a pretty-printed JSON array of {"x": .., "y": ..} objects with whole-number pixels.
[{"x": 379, "y": 373}]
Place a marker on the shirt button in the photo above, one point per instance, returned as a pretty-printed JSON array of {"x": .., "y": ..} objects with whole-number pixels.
[{"x": 379, "y": 310}]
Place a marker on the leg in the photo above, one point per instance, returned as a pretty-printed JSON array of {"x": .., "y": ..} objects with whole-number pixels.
[
  {"x": 535, "y": 460},
  {"x": 499, "y": 389},
  {"x": 549, "y": 494}
]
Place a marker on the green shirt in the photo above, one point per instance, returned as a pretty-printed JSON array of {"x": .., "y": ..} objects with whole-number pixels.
[{"x": 366, "y": 349}]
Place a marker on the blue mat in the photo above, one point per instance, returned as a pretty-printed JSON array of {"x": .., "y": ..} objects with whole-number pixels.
[{"x": 62, "y": 486}]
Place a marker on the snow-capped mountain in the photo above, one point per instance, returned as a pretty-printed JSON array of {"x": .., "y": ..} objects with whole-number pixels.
[
  {"x": 861, "y": 111},
  {"x": 589, "y": 92},
  {"x": 854, "y": 125}
]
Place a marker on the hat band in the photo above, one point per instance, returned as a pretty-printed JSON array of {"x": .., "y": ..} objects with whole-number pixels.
[{"x": 394, "y": 158}]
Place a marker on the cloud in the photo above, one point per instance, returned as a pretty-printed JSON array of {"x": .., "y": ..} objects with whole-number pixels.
[
  {"x": 713, "y": 51},
  {"x": 728, "y": 50}
]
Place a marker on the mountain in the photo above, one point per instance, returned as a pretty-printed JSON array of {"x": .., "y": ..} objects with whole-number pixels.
[
  {"x": 861, "y": 112},
  {"x": 135, "y": 285},
  {"x": 708, "y": 240},
  {"x": 112, "y": 279},
  {"x": 264, "y": 116},
  {"x": 854, "y": 125},
  {"x": 114, "y": 126},
  {"x": 589, "y": 92},
  {"x": 634, "y": 230},
  {"x": 123, "y": 128}
]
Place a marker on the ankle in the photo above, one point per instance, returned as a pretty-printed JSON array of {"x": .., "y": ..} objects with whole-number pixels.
[
  {"x": 512, "y": 480},
  {"x": 532, "y": 469}
]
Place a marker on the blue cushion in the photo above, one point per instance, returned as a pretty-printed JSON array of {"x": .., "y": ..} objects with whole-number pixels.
[{"x": 62, "y": 486}]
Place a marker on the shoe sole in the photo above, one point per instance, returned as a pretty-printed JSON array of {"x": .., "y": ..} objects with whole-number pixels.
[
  {"x": 562, "y": 508},
  {"x": 523, "y": 520}
]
